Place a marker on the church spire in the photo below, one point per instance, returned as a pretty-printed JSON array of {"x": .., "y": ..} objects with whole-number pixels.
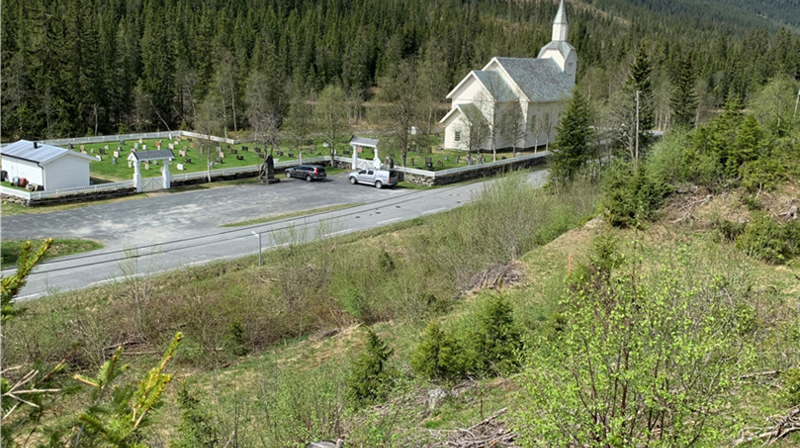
[{"x": 560, "y": 24}]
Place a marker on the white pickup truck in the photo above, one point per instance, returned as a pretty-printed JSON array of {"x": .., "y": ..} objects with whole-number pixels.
[{"x": 378, "y": 178}]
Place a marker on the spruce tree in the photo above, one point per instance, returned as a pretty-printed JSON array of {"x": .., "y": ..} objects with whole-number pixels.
[
  {"x": 684, "y": 100},
  {"x": 572, "y": 148},
  {"x": 369, "y": 376}
]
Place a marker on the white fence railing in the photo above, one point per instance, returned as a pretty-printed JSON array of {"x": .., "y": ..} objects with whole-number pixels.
[
  {"x": 16, "y": 193},
  {"x": 451, "y": 171},
  {"x": 243, "y": 169},
  {"x": 34, "y": 195},
  {"x": 145, "y": 135}
]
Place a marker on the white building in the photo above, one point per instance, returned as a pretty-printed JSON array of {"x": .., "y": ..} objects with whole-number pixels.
[
  {"x": 514, "y": 98},
  {"x": 49, "y": 166}
]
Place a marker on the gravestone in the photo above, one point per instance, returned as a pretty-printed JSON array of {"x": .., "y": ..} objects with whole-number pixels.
[
  {"x": 346, "y": 152},
  {"x": 144, "y": 147},
  {"x": 221, "y": 155},
  {"x": 258, "y": 150},
  {"x": 140, "y": 141},
  {"x": 239, "y": 157},
  {"x": 503, "y": 158},
  {"x": 456, "y": 159},
  {"x": 155, "y": 162},
  {"x": 99, "y": 158},
  {"x": 116, "y": 154},
  {"x": 218, "y": 160},
  {"x": 113, "y": 160},
  {"x": 135, "y": 146},
  {"x": 70, "y": 146},
  {"x": 291, "y": 155},
  {"x": 189, "y": 139},
  {"x": 171, "y": 146},
  {"x": 182, "y": 153},
  {"x": 245, "y": 148},
  {"x": 428, "y": 163},
  {"x": 105, "y": 147},
  {"x": 188, "y": 160},
  {"x": 439, "y": 162},
  {"x": 146, "y": 165},
  {"x": 91, "y": 151},
  {"x": 412, "y": 161},
  {"x": 280, "y": 153},
  {"x": 233, "y": 151},
  {"x": 102, "y": 151},
  {"x": 191, "y": 145},
  {"x": 261, "y": 156},
  {"x": 119, "y": 148},
  {"x": 179, "y": 166},
  {"x": 122, "y": 142},
  {"x": 518, "y": 154}
]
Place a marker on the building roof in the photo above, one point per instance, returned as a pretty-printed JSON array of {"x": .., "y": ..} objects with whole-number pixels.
[
  {"x": 558, "y": 45},
  {"x": 495, "y": 84},
  {"x": 156, "y": 154},
  {"x": 469, "y": 110},
  {"x": 41, "y": 154},
  {"x": 541, "y": 80},
  {"x": 361, "y": 141}
]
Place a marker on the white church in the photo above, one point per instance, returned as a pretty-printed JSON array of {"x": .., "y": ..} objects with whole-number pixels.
[{"x": 483, "y": 103}]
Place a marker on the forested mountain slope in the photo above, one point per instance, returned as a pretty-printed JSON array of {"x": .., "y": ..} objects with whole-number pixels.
[
  {"x": 76, "y": 67},
  {"x": 741, "y": 13}
]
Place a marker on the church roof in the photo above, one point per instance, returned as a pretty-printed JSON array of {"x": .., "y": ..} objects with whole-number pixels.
[
  {"x": 469, "y": 110},
  {"x": 363, "y": 141},
  {"x": 496, "y": 85},
  {"x": 540, "y": 79}
]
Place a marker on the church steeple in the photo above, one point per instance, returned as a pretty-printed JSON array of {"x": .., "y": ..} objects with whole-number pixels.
[{"x": 560, "y": 24}]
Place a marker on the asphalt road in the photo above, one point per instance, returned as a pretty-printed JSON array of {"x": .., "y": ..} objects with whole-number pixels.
[{"x": 169, "y": 231}]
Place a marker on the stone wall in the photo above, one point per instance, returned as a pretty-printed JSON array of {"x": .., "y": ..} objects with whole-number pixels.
[
  {"x": 77, "y": 197},
  {"x": 465, "y": 175}
]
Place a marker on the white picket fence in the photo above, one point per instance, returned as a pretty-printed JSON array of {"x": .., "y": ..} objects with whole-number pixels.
[{"x": 34, "y": 195}]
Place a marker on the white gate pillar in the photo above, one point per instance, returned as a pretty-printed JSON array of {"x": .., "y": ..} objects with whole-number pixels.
[
  {"x": 355, "y": 157},
  {"x": 137, "y": 176},
  {"x": 166, "y": 177}
]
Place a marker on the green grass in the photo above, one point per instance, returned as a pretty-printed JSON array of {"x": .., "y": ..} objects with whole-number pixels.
[
  {"x": 104, "y": 171},
  {"x": 10, "y": 250},
  {"x": 291, "y": 215},
  {"x": 8, "y": 185}
]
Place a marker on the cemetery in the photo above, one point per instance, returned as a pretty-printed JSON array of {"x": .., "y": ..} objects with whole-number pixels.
[{"x": 191, "y": 155}]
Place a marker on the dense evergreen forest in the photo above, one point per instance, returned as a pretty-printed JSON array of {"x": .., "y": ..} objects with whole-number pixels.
[{"x": 77, "y": 67}]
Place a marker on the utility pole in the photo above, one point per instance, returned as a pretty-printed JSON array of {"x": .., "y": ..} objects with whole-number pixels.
[
  {"x": 796, "y": 104},
  {"x": 636, "y": 154}
]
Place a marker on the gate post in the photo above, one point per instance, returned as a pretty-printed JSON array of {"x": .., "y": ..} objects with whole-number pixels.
[{"x": 137, "y": 175}]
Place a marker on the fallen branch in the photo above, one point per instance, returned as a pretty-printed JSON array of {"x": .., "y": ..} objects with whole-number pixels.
[
  {"x": 758, "y": 374},
  {"x": 786, "y": 425}
]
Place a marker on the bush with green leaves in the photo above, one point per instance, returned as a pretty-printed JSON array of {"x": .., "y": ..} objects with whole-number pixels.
[
  {"x": 370, "y": 377},
  {"x": 494, "y": 346},
  {"x": 630, "y": 197},
  {"x": 768, "y": 240},
  {"x": 439, "y": 355},
  {"x": 791, "y": 382},
  {"x": 642, "y": 359}
]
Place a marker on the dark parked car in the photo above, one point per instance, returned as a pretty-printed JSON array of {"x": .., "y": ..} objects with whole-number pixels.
[{"x": 307, "y": 172}]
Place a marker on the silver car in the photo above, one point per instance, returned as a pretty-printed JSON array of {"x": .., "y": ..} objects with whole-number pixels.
[{"x": 371, "y": 176}]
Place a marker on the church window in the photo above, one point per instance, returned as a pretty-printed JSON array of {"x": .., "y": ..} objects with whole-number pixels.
[{"x": 458, "y": 136}]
